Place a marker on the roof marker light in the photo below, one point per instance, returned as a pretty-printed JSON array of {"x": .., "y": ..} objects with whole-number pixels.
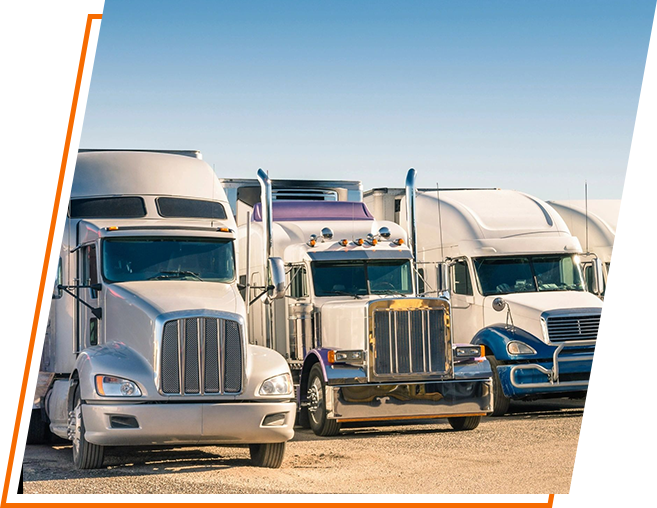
[
  {"x": 113, "y": 228},
  {"x": 358, "y": 241},
  {"x": 313, "y": 240},
  {"x": 344, "y": 242},
  {"x": 399, "y": 241},
  {"x": 224, "y": 230}
]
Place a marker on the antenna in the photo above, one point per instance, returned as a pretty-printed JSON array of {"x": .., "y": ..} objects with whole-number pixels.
[
  {"x": 586, "y": 211},
  {"x": 440, "y": 224}
]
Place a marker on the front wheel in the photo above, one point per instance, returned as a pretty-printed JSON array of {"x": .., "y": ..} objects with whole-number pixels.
[
  {"x": 501, "y": 402},
  {"x": 86, "y": 455},
  {"x": 267, "y": 455},
  {"x": 464, "y": 422},
  {"x": 320, "y": 424}
]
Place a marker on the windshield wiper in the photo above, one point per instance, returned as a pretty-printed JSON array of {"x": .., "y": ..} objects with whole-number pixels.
[
  {"x": 175, "y": 275},
  {"x": 387, "y": 292},
  {"x": 343, "y": 293}
]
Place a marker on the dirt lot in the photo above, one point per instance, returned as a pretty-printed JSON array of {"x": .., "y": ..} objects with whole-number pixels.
[{"x": 531, "y": 451}]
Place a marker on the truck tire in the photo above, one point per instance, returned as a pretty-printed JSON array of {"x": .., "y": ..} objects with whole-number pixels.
[
  {"x": 500, "y": 401},
  {"x": 38, "y": 432},
  {"x": 464, "y": 422},
  {"x": 86, "y": 455},
  {"x": 267, "y": 455},
  {"x": 303, "y": 420},
  {"x": 319, "y": 423}
]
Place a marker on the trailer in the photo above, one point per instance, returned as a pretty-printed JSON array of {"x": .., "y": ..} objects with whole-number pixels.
[
  {"x": 361, "y": 343},
  {"x": 147, "y": 339},
  {"x": 513, "y": 273}
]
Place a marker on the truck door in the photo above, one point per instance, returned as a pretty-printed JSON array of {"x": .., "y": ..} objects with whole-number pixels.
[
  {"x": 88, "y": 325},
  {"x": 465, "y": 320}
]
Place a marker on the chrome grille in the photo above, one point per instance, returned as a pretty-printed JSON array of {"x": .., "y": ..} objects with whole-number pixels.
[
  {"x": 410, "y": 342},
  {"x": 563, "y": 328},
  {"x": 201, "y": 356}
]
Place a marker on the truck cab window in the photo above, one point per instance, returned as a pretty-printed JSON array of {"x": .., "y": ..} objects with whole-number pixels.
[
  {"x": 168, "y": 258},
  {"x": 298, "y": 285},
  {"x": 462, "y": 281}
]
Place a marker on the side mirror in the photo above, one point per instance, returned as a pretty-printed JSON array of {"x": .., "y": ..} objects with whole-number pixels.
[
  {"x": 499, "y": 304},
  {"x": 96, "y": 286},
  {"x": 598, "y": 277},
  {"x": 277, "y": 278}
]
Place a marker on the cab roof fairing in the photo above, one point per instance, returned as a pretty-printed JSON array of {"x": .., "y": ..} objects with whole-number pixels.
[
  {"x": 488, "y": 222},
  {"x": 127, "y": 173},
  {"x": 602, "y": 222}
]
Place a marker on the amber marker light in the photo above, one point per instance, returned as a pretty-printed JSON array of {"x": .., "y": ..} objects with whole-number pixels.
[
  {"x": 224, "y": 230},
  {"x": 399, "y": 241},
  {"x": 359, "y": 241},
  {"x": 113, "y": 228},
  {"x": 344, "y": 242}
]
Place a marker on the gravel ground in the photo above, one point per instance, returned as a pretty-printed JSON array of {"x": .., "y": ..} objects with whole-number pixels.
[{"x": 530, "y": 451}]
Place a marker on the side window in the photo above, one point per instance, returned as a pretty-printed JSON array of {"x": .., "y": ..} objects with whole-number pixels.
[
  {"x": 298, "y": 285},
  {"x": 588, "y": 276},
  {"x": 421, "y": 285},
  {"x": 461, "y": 274},
  {"x": 57, "y": 293}
]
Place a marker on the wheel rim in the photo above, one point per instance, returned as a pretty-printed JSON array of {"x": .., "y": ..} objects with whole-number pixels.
[
  {"x": 315, "y": 399},
  {"x": 77, "y": 430}
]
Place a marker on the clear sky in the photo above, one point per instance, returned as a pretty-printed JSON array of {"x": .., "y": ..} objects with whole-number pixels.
[{"x": 531, "y": 95}]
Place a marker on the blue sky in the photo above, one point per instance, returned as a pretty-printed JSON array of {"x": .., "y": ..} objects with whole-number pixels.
[{"x": 530, "y": 95}]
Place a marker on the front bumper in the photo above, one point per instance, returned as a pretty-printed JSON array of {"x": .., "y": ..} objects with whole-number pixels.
[
  {"x": 565, "y": 373},
  {"x": 189, "y": 423},
  {"x": 441, "y": 399}
]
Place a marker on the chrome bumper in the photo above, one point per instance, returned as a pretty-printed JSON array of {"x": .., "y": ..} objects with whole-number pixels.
[
  {"x": 442, "y": 399},
  {"x": 553, "y": 373},
  {"x": 189, "y": 424}
]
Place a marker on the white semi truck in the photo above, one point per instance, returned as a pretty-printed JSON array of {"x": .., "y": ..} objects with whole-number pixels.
[
  {"x": 147, "y": 335},
  {"x": 362, "y": 345},
  {"x": 513, "y": 273},
  {"x": 593, "y": 222}
]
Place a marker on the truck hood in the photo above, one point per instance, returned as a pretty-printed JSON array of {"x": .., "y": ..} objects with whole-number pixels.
[
  {"x": 527, "y": 308},
  {"x": 132, "y": 308},
  {"x": 178, "y": 295},
  {"x": 344, "y": 321}
]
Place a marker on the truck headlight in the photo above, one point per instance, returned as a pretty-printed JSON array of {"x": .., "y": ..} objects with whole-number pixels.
[
  {"x": 277, "y": 385},
  {"x": 355, "y": 356},
  {"x": 519, "y": 348},
  {"x": 109, "y": 386},
  {"x": 469, "y": 351}
]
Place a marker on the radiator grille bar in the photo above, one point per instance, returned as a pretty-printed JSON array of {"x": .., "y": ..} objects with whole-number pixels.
[
  {"x": 564, "y": 328},
  {"x": 201, "y": 356},
  {"x": 410, "y": 342}
]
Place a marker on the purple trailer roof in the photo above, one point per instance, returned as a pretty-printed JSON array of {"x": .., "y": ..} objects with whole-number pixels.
[{"x": 315, "y": 210}]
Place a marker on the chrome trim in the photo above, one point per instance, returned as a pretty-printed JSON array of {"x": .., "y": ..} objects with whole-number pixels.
[
  {"x": 553, "y": 373},
  {"x": 198, "y": 314},
  {"x": 576, "y": 313},
  {"x": 411, "y": 223},
  {"x": 395, "y": 306}
]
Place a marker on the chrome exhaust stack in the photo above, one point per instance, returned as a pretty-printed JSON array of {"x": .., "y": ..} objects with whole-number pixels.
[
  {"x": 411, "y": 225},
  {"x": 267, "y": 219}
]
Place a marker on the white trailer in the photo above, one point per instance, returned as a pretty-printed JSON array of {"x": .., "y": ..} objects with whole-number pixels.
[
  {"x": 362, "y": 345},
  {"x": 593, "y": 222},
  {"x": 147, "y": 335},
  {"x": 513, "y": 273}
]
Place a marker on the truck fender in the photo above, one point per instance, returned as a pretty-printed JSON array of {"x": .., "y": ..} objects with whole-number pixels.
[
  {"x": 313, "y": 357},
  {"x": 112, "y": 359},
  {"x": 496, "y": 337},
  {"x": 263, "y": 363}
]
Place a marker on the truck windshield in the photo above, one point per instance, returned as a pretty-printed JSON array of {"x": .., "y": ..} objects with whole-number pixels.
[
  {"x": 380, "y": 277},
  {"x": 135, "y": 259},
  {"x": 523, "y": 274}
]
